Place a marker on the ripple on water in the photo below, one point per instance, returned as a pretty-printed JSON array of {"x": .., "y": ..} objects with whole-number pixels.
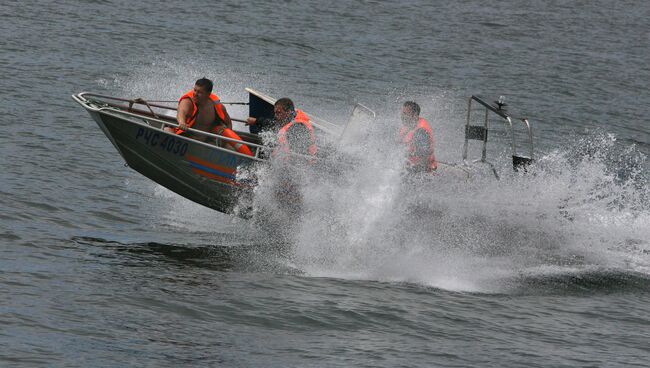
[
  {"x": 8, "y": 235},
  {"x": 200, "y": 295}
]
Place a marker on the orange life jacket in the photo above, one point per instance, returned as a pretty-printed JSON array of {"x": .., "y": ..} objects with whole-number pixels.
[
  {"x": 406, "y": 136},
  {"x": 301, "y": 118},
  {"x": 218, "y": 108}
]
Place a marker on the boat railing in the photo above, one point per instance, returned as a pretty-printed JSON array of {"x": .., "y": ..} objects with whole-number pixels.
[
  {"x": 480, "y": 133},
  {"x": 164, "y": 121}
]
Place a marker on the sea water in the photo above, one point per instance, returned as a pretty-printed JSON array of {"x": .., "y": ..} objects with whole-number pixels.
[{"x": 101, "y": 267}]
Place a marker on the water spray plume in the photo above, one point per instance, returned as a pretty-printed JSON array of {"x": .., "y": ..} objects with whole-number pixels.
[{"x": 351, "y": 215}]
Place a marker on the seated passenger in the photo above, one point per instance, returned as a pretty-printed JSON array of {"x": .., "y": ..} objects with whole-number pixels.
[
  {"x": 200, "y": 109},
  {"x": 297, "y": 139},
  {"x": 292, "y": 126},
  {"x": 417, "y": 136}
]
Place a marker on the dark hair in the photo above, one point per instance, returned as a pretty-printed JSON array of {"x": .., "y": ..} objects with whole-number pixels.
[
  {"x": 205, "y": 83},
  {"x": 286, "y": 104},
  {"x": 413, "y": 107}
]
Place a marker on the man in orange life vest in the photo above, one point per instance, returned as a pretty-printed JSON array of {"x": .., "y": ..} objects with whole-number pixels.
[
  {"x": 200, "y": 109},
  {"x": 417, "y": 136},
  {"x": 294, "y": 130}
]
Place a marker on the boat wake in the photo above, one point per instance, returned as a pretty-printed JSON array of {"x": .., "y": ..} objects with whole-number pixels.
[
  {"x": 573, "y": 220},
  {"x": 578, "y": 219}
]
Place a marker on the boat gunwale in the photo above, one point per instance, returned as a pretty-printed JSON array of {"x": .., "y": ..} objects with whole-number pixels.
[{"x": 119, "y": 114}]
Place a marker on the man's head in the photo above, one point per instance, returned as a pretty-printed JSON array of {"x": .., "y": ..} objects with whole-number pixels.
[
  {"x": 202, "y": 89},
  {"x": 284, "y": 110},
  {"x": 410, "y": 113}
]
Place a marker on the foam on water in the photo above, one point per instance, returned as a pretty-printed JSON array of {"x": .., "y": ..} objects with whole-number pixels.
[
  {"x": 579, "y": 209},
  {"x": 572, "y": 212}
]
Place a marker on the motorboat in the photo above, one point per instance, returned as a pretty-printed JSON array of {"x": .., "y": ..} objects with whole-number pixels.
[{"x": 206, "y": 173}]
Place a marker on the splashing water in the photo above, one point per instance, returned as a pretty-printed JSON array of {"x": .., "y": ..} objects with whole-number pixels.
[
  {"x": 571, "y": 213},
  {"x": 578, "y": 210}
]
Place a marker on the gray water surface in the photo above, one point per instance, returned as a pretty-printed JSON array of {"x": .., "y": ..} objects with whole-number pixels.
[{"x": 101, "y": 267}]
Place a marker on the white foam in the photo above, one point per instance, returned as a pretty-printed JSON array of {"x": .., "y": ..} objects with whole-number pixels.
[
  {"x": 475, "y": 236},
  {"x": 359, "y": 220}
]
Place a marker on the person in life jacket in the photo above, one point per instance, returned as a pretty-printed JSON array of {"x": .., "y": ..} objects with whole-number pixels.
[
  {"x": 292, "y": 126},
  {"x": 417, "y": 136},
  {"x": 200, "y": 109}
]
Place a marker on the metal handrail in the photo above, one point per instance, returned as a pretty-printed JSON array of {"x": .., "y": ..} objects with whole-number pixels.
[
  {"x": 81, "y": 99},
  {"x": 508, "y": 119},
  {"x": 222, "y": 102},
  {"x": 130, "y": 101},
  {"x": 149, "y": 104},
  {"x": 530, "y": 136}
]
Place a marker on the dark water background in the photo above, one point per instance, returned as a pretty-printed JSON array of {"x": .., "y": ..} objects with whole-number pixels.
[{"x": 101, "y": 267}]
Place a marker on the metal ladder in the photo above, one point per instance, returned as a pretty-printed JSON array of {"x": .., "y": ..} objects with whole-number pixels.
[{"x": 480, "y": 133}]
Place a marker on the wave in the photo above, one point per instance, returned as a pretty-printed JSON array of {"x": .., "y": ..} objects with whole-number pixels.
[
  {"x": 580, "y": 281},
  {"x": 237, "y": 258}
]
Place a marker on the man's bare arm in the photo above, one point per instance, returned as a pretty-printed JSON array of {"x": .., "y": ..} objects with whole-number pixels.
[
  {"x": 184, "y": 111},
  {"x": 227, "y": 116}
]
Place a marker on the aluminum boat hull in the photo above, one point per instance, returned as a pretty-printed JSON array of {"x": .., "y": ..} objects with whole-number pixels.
[{"x": 201, "y": 172}]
